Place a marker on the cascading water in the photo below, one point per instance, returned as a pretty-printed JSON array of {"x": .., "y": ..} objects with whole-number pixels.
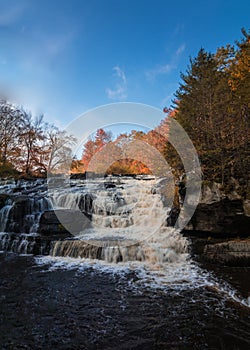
[
  {"x": 127, "y": 231},
  {"x": 128, "y": 224},
  {"x": 22, "y": 203},
  {"x": 23, "y": 206},
  {"x": 4, "y": 216}
]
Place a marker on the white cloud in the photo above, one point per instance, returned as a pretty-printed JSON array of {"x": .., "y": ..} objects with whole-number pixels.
[
  {"x": 119, "y": 92},
  {"x": 163, "y": 69}
]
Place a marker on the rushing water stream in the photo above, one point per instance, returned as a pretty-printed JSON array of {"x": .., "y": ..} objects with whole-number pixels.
[{"x": 126, "y": 281}]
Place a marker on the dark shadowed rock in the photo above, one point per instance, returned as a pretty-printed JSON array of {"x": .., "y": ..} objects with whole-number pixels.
[
  {"x": 3, "y": 199},
  {"x": 19, "y": 210},
  {"x": 220, "y": 213},
  {"x": 226, "y": 216},
  {"x": 173, "y": 216},
  {"x": 234, "y": 253},
  {"x": 62, "y": 222},
  {"x": 108, "y": 185},
  {"x": 85, "y": 204}
]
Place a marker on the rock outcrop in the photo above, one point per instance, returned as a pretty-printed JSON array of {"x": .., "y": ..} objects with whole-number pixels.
[
  {"x": 220, "y": 213},
  {"x": 233, "y": 253}
]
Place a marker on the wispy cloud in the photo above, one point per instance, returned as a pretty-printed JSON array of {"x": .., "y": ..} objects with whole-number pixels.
[
  {"x": 162, "y": 69},
  {"x": 54, "y": 46},
  {"x": 10, "y": 14},
  {"x": 120, "y": 74},
  {"x": 159, "y": 70},
  {"x": 178, "y": 29},
  {"x": 180, "y": 50},
  {"x": 3, "y": 60},
  {"x": 166, "y": 100},
  {"x": 119, "y": 92}
]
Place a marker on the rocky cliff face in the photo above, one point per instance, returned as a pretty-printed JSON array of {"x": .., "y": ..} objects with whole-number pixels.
[{"x": 220, "y": 213}]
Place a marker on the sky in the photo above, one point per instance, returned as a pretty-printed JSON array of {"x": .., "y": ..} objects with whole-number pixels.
[{"x": 62, "y": 58}]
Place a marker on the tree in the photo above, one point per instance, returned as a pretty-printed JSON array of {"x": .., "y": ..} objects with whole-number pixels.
[
  {"x": 30, "y": 142},
  {"x": 212, "y": 104},
  {"x": 58, "y": 148},
  {"x": 29, "y": 145},
  {"x": 92, "y": 146},
  {"x": 11, "y": 123}
]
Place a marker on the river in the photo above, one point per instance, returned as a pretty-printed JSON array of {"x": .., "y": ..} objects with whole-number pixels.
[{"x": 148, "y": 295}]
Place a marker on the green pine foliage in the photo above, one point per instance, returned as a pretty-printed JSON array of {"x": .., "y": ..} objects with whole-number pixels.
[{"x": 212, "y": 104}]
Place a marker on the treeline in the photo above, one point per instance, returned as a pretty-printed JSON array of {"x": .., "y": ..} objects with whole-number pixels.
[
  {"x": 28, "y": 145},
  {"x": 212, "y": 104},
  {"x": 129, "y": 153}
]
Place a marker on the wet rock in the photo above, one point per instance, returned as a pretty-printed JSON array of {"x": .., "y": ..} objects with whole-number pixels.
[
  {"x": 56, "y": 182},
  {"x": 3, "y": 199},
  {"x": 20, "y": 208},
  {"x": 62, "y": 222},
  {"x": 108, "y": 185},
  {"x": 85, "y": 204},
  {"x": 173, "y": 216},
  {"x": 233, "y": 253}
]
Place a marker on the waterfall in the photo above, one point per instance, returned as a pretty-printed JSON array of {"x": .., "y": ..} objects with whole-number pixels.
[
  {"x": 22, "y": 204},
  {"x": 166, "y": 246},
  {"x": 24, "y": 244},
  {"x": 127, "y": 216},
  {"x": 128, "y": 224},
  {"x": 4, "y": 216}
]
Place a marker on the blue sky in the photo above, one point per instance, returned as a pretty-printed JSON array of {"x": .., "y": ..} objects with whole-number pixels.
[{"x": 62, "y": 58}]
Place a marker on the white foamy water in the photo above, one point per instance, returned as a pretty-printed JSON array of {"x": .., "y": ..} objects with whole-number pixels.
[
  {"x": 167, "y": 278},
  {"x": 25, "y": 202},
  {"x": 124, "y": 211},
  {"x": 128, "y": 234}
]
